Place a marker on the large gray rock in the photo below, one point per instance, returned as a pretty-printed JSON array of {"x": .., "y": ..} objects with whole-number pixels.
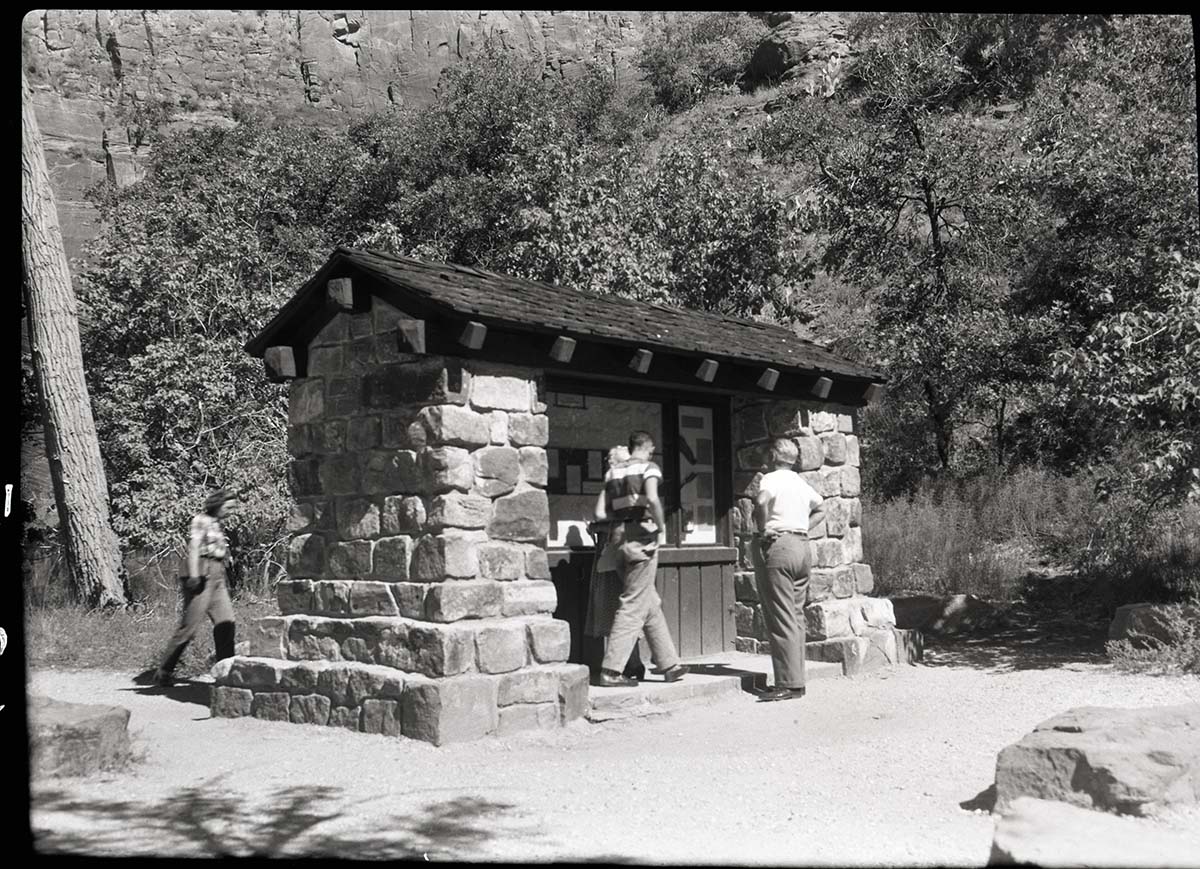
[
  {"x": 1045, "y": 833},
  {"x": 798, "y": 48},
  {"x": 1130, "y": 761},
  {"x": 951, "y": 614},
  {"x": 69, "y": 739},
  {"x": 1141, "y": 621}
]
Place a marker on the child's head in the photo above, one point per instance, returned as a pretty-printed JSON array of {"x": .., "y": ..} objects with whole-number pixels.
[{"x": 618, "y": 455}]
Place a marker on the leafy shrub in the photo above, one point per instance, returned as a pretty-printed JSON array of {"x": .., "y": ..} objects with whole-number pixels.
[
  {"x": 1180, "y": 653},
  {"x": 688, "y": 55}
]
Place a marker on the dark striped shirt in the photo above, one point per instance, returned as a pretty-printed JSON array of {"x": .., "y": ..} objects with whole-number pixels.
[{"x": 625, "y": 489}]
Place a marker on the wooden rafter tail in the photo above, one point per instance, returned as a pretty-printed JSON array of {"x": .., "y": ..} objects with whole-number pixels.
[
  {"x": 339, "y": 293},
  {"x": 707, "y": 370},
  {"x": 473, "y": 335},
  {"x": 873, "y": 393},
  {"x": 641, "y": 361},
  {"x": 563, "y": 349},
  {"x": 821, "y": 388},
  {"x": 410, "y": 336},
  {"x": 280, "y": 363},
  {"x": 768, "y": 379}
]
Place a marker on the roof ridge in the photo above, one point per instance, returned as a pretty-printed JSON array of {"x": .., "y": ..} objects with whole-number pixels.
[{"x": 585, "y": 293}]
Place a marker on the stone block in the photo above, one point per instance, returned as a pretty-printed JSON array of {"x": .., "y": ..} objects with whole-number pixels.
[
  {"x": 748, "y": 645},
  {"x": 498, "y": 469},
  {"x": 372, "y": 599},
  {"x": 851, "y": 482},
  {"x": 299, "y": 440},
  {"x": 843, "y": 581},
  {"x": 1035, "y": 832},
  {"x": 300, "y": 517},
  {"x": 402, "y": 514},
  {"x": 826, "y": 552},
  {"x": 822, "y": 421},
  {"x": 812, "y": 453},
  {"x": 459, "y": 510},
  {"x": 306, "y": 400},
  {"x": 270, "y": 706},
  {"x": 443, "y": 469},
  {"x": 743, "y": 516},
  {"x": 361, "y": 325},
  {"x": 335, "y": 331},
  {"x": 537, "y": 565},
  {"x": 531, "y": 685},
  {"x": 535, "y": 469},
  {"x": 363, "y": 433},
  {"x": 845, "y": 423},
  {"x": 357, "y": 518},
  {"x": 864, "y": 580},
  {"x": 360, "y": 354},
  {"x": 452, "y": 554},
  {"x": 304, "y": 477},
  {"x": 499, "y": 427},
  {"x": 549, "y": 640},
  {"x": 451, "y": 425},
  {"x": 258, "y": 674},
  {"x": 392, "y": 558},
  {"x": 528, "y": 430},
  {"x": 498, "y": 560},
  {"x": 383, "y": 717},
  {"x": 350, "y": 558},
  {"x": 385, "y": 317},
  {"x": 267, "y": 637},
  {"x": 300, "y": 677},
  {"x": 837, "y": 516},
  {"x": 345, "y": 716},
  {"x": 500, "y": 647},
  {"x": 391, "y": 472},
  {"x": 750, "y": 425},
  {"x": 401, "y": 429},
  {"x": 344, "y": 395},
  {"x": 523, "y": 515},
  {"x": 526, "y": 716},
  {"x": 365, "y": 682},
  {"x": 910, "y": 645},
  {"x": 466, "y": 599},
  {"x": 745, "y": 587},
  {"x": 745, "y": 484},
  {"x": 820, "y": 584},
  {"x": 421, "y": 381},
  {"x": 827, "y": 481},
  {"x": 340, "y": 475},
  {"x": 855, "y": 507},
  {"x": 326, "y": 361},
  {"x": 440, "y": 650},
  {"x": 743, "y": 618},
  {"x": 489, "y": 392},
  {"x": 852, "y": 545},
  {"x": 410, "y": 598},
  {"x": 328, "y": 437},
  {"x": 332, "y": 597},
  {"x": 76, "y": 739},
  {"x": 228, "y": 702},
  {"x": 332, "y": 682},
  {"x": 831, "y": 618},
  {"x": 573, "y": 692},
  {"x": 835, "y": 448},
  {"x": 522, "y": 598},
  {"x": 294, "y": 596},
  {"x": 853, "y": 458},
  {"x": 309, "y": 709},
  {"x": 450, "y": 710},
  {"x": 787, "y": 418},
  {"x": 753, "y": 458}
]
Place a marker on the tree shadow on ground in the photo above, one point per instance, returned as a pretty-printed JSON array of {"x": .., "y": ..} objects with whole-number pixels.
[
  {"x": 293, "y": 821},
  {"x": 1050, "y": 626}
]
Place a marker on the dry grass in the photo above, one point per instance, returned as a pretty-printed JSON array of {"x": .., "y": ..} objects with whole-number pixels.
[{"x": 1144, "y": 654}]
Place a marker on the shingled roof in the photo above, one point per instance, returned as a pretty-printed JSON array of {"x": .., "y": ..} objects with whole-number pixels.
[{"x": 522, "y": 303}]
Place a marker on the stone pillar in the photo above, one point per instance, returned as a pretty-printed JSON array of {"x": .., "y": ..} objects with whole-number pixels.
[
  {"x": 843, "y": 624},
  {"x": 419, "y": 598}
]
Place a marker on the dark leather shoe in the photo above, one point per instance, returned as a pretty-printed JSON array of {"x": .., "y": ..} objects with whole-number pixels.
[
  {"x": 781, "y": 694},
  {"x": 674, "y": 674},
  {"x": 609, "y": 679}
]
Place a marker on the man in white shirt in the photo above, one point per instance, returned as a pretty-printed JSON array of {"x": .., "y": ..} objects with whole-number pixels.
[{"x": 783, "y": 507}]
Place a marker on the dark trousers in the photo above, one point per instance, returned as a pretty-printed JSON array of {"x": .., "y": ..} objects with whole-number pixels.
[
  {"x": 781, "y": 573},
  {"x": 212, "y": 600}
]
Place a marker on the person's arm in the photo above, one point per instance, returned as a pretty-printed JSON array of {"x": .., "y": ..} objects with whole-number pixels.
[
  {"x": 762, "y": 505},
  {"x": 601, "y": 509},
  {"x": 194, "y": 540},
  {"x": 656, "y": 509}
]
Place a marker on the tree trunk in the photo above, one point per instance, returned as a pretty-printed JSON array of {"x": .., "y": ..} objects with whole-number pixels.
[
  {"x": 76, "y": 469},
  {"x": 940, "y": 416}
]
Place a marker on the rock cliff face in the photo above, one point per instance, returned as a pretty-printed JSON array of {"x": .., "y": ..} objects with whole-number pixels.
[{"x": 98, "y": 73}]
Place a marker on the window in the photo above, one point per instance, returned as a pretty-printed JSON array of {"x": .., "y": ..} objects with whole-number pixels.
[{"x": 587, "y": 421}]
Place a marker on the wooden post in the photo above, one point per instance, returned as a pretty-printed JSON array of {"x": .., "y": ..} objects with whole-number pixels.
[
  {"x": 641, "y": 361},
  {"x": 821, "y": 388},
  {"x": 280, "y": 363},
  {"x": 410, "y": 336},
  {"x": 91, "y": 547},
  {"x": 768, "y": 379},
  {"x": 873, "y": 393},
  {"x": 707, "y": 370},
  {"x": 339, "y": 293},
  {"x": 473, "y": 335},
  {"x": 563, "y": 349}
]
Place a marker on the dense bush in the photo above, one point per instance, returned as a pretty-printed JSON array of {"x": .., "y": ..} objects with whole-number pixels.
[{"x": 687, "y": 56}]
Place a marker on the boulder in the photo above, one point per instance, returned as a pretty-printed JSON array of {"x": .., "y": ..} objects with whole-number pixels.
[
  {"x": 952, "y": 614},
  {"x": 73, "y": 739},
  {"x": 1045, "y": 833},
  {"x": 1130, "y": 761},
  {"x": 1140, "y": 622},
  {"x": 799, "y": 47}
]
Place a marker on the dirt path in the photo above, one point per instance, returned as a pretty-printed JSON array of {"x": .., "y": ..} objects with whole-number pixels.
[{"x": 867, "y": 771}]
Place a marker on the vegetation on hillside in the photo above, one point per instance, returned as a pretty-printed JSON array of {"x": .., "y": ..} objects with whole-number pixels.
[{"x": 998, "y": 210}]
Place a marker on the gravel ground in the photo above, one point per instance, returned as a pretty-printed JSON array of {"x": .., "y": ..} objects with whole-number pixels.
[{"x": 872, "y": 770}]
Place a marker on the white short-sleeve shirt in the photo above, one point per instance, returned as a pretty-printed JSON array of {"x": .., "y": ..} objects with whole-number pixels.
[{"x": 790, "y": 501}]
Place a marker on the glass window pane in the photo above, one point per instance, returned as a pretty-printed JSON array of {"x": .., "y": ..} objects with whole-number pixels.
[
  {"x": 697, "y": 492},
  {"x": 582, "y": 430}
]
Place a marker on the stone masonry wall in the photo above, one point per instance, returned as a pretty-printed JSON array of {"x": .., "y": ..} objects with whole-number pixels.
[
  {"x": 418, "y": 596},
  {"x": 842, "y": 623}
]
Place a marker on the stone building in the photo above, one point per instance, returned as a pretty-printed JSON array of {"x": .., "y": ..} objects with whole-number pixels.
[{"x": 447, "y": 428}]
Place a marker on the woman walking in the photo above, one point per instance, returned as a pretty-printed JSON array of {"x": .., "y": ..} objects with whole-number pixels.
[{"x": 205, "y": 589}]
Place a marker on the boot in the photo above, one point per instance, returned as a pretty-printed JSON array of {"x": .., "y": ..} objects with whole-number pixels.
[{"x": 223, "y": 640}]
